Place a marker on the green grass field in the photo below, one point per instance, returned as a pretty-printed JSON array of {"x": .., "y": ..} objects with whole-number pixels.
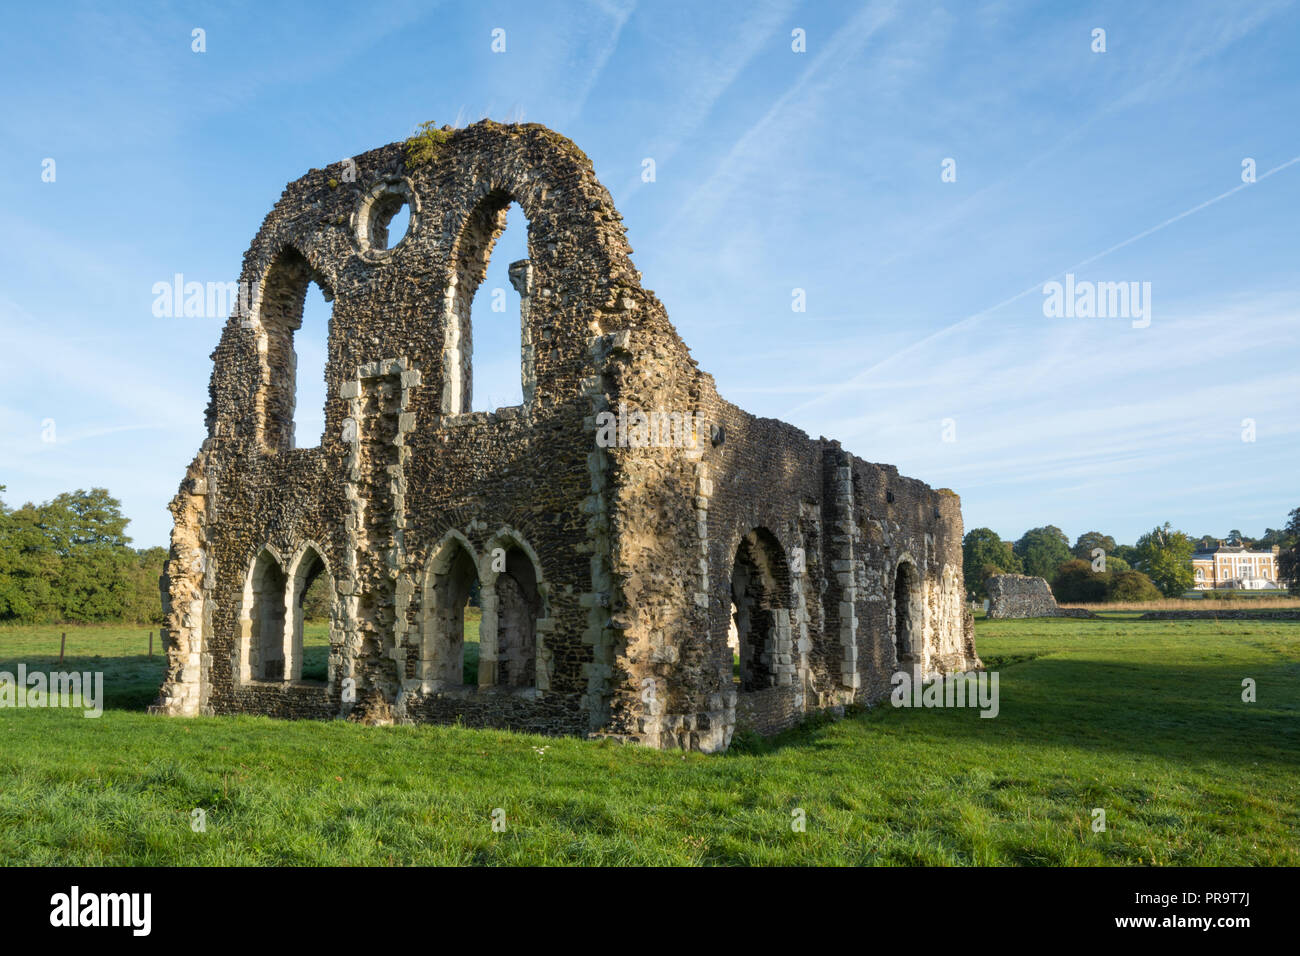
[{"x": 1142, "y": 719}]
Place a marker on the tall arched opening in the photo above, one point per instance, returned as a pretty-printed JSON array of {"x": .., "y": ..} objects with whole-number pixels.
[
  {"x": 452, "y": 578},
  {"x": 307, "y": 663},
  {"x": 514, "y": 611},
  {"x": 908, "y": 614},
  {"x": 504, "y": 358},
  {"x": 282, "y": 305},
  {"x": 759, "y": 634},
  {"x": 264, "y": 619}
]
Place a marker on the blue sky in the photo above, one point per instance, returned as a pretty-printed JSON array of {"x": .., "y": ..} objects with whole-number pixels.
[{"x": 775, "y": 170}]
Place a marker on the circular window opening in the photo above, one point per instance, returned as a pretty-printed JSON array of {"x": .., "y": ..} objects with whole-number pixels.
[
  {"x": 388, "y": 214},
  {"x": 390, "y": 221}
]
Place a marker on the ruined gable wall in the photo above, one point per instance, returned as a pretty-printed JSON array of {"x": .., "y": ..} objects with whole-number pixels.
[
  {"x": 633, "y": 547},
  {"x": 529, "y": 472}
]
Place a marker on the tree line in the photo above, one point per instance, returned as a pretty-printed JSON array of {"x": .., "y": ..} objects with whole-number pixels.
[
  {"x": 1096, "y": 569},
  {"x": 70, "y": 560}
]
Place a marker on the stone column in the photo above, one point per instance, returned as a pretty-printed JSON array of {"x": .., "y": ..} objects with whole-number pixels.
[
  {"x": 375, "y": 595},
  {"x": 189, "y": 577},
  {"x": 487, "y": 637},
  {"x": 842, "y": 534},
  {"x": 521, "y": 277}
]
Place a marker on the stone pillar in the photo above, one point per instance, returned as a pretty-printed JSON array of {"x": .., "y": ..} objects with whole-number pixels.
[
  {"x": 487, "y": 637},
  {"x": 521, "y": 277},
  {"x": 376, "y": 628},
  {"x": 545, "y": 656},
  {"x": 842, "y": 534},
  {"x": 189, "y": 576}
]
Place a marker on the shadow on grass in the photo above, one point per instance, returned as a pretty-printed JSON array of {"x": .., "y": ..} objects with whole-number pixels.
[
  {"x": 1121, "y": 708},
  {"x": 130, "y": 683},
  {"x": 1112, "y": 707},
  {"x": 1117, "y": 703}
]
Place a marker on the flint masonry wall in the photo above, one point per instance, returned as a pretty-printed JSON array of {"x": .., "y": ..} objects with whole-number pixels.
[
  {"x": 619, "y": 585},
  {"x": 1019, "y": 595}
]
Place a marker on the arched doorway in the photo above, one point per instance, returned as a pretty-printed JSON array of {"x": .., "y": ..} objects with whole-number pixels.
[
  {"x": 908, "y": 612},
  {"x": 513, "y": 605},
  {"x": 759, "y": 631},
  {"x": 303, "y": 662},
  {"x": 264, "y": 595},
  {"x": 518, "y": 604},
  {"x": 452, "y": 577}
]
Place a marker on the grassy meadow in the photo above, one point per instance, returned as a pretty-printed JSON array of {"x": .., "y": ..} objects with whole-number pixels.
[
  {"x": 1224, "y": 601},
  {"x": 1143, "y": 719}
]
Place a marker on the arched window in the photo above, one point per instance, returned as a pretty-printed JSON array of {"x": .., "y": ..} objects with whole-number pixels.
[
  {"x": 760, "y": 619},
  {"x": 311, "y": 352},
  {"x": 308, "y": 660},
  {"x": 295, "y": 366},
  {"x": 264, "y": 597},
  {"x": 488, "y": 349},
  {"x": 908, "y": 610}
]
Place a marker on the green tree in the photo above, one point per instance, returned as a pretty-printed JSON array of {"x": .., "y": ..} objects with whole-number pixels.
[
  {"x": 1125, "y": 552},
  {"x": 88, "y": 531},
  {"x": 12, "y": 602},
  {"x": 1279, "y": 537},
  {"x": 69, "y": 560},
  {"x": 984, "y": 553},
  {"x": 1077, "y": 583},
  {"x": 1088, "y": 541},
  {"x": 29, "y": 569},
  {"x": 1114, "y": 564},
  {"x": 144, "y": 595},
  {"x": 1043, "y": 551},
  {"x": 1165, "y": 556},
  {"x": 316, "y": 599},
  {"x": 1131, "y": 586},
  {"x": 1288, "y": 559}
]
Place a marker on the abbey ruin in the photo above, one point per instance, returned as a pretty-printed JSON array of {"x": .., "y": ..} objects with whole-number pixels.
[{"x": 641, "y": 586}]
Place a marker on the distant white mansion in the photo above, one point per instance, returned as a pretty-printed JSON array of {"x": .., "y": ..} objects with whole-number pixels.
[{"x": 1234, "y": 566}]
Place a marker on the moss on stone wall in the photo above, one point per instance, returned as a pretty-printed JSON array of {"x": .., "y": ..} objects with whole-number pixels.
[{"x": 424, "y": 145}]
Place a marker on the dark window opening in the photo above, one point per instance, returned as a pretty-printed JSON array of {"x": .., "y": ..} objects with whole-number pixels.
[{"x": 905, "y": 593}]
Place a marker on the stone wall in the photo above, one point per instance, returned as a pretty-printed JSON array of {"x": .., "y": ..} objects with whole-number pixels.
[
  {"x": 619, "y": 580},
  {"x": 1226, "y": 614},
  {"x": 1018, "y": 595}
]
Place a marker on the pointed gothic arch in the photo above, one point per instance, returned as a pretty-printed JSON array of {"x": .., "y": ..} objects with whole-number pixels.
[
  {"x": 277, "y": 315},
  {"x": 760, "y": 634},
  {"x": 908, "y": 615},
  {"x": 470, "y": 255},
  {"x": 262, "y": 619},
  {"x": 516, "y": 616},
  {"x": 308, "y": 565},
  {"x": 449, "y": 578}
]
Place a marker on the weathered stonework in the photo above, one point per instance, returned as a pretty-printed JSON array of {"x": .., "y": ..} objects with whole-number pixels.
[
  {"x": 1019, "y": 595},
  {"x": 619, "y": 582}
]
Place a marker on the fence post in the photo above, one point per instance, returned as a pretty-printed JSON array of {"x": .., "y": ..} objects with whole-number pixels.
[{"x": 151, "y": 643}]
